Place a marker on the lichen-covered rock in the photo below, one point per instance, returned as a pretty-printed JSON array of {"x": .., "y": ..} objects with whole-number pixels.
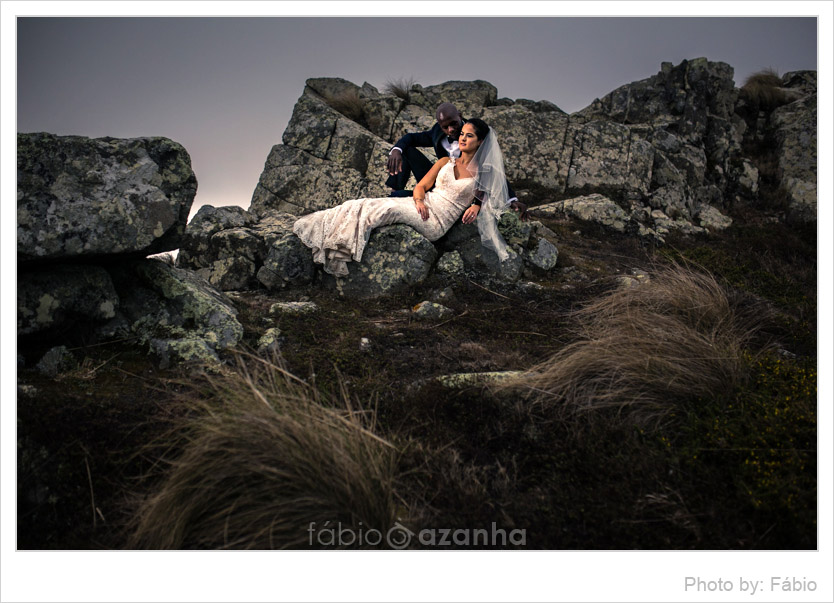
[
  {"x": 196, "y": 250},
  {"x": 288, "y": 262},
  {"x": 352, "y": 146},
  {"x": 227, "y": 246},
  {"x": 543, "y": 256},
  {"x": 62, "y": 295},
  {"x": 684, "y": 95},
  {"x": 381, "y": 113},
  {"x": 461, "y": 380},
  {"x": 270, "y": 341},
  {"x": 794, "y": 128},
  {"x": 427, "y": 310},
  {"x": 395, "y": 257},
  {"x": 713, "y": 220},
  {"x": 179, "y": 315},
  {"x": 608, "y": 156},
  {"x": 514, "y": 231},
  {"x": 181, "y": 350},
  {"x": 413, "y": 118},
  {"x": 748, "y": 178},
  {"x": 664, "y": 223},
  {"x": 537, "y": 147},
  {"x": 56, "y": 361},
  {"x": 635, "y": 279},
  {"x": 331, "y": 87},
  {"x": 445, "y": 295},
  {"x": 672, "y": 200},
  {"x": 450, "y": 263},
  {"x": 293, "y": 308},
  {"x": 297, "y": 182},
  {"x": 469, "y": 97},
  {"x": 589, "y": 208},
  {"x": 81, "y": 196},
  {"x": 479, "y": 261},
  {"x": 312, "y": 124},
  {"x": 230, "y": 273}
]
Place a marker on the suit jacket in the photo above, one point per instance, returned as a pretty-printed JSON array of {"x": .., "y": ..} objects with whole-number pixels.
[
  {"x": 430, "y": 138},
  {"x": 433, "y": 138}
]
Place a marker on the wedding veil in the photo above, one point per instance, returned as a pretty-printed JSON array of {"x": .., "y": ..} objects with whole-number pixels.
[{"x": 487, "y": 167}]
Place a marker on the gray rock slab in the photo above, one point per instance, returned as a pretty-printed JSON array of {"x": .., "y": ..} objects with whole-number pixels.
[{"x": 82, "y": 196}]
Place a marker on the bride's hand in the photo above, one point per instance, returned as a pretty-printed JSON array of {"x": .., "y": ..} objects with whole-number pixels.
[
  {"x": 471, "y": 214},
  {"x": 422, "y": 209}
]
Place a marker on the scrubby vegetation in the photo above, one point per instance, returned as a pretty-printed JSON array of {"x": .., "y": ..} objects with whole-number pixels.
[
  {"x": 399, "y": 87},
  {"x": 263, "y": 457},
  {"x": 349, "y": 104},
  {"x": 763, "y": 90},
  {"x": 678, "y": 413},
  {"x": 651, "y": 350}
]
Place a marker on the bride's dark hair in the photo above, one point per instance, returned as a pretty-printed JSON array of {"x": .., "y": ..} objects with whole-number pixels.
[{"x": 481, "y": 127}]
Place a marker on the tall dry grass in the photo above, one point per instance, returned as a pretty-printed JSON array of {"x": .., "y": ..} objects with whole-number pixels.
[
  {"x": 648, "y": 350},
  {"x": 399, "y": 87},
  {"x": 348, "y": 103},
  {"x": 261, "y": 456},
  {"x": 763, "y": 90}
]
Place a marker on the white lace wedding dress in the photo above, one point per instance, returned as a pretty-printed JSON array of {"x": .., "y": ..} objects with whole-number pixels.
[{"x": 339, "y": 234}]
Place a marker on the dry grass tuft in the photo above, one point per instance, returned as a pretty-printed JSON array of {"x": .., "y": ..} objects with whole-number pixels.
[
  {"x": 647, "y": 350},
  {"x": 348, "y": 103},
  {"x": 763, "y": 91},
  {"x": 399, "y": 87},
  {"x": 261, "y": 457}
]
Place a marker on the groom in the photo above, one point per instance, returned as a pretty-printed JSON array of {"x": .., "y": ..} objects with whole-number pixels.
[{"x": 405, "y": 159}]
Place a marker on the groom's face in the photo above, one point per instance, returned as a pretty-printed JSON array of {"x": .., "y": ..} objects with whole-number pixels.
[{"x": 450, "y": 124}]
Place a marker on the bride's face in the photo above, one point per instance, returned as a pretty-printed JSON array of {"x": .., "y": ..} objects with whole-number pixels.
[{"x": 468, "y": 141}]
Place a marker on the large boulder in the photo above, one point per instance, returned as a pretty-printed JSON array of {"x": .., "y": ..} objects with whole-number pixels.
[
  {"x": 482, "y": 263},
  {"x": 81, "y": 197},
  {"x": 395, "y": 258}
]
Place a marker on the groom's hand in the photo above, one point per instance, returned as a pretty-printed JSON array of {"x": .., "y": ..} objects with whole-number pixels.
[
  {"x": 395, "y": 162},
  {"x": 521, "y": 209}
]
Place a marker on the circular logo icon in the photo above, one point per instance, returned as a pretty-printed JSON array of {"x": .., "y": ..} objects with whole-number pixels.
[{"x": 399, "y": 536}]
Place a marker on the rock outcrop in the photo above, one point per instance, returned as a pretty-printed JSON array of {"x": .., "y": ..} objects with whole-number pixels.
[
  {"x": 666, "y": 150},
  {"x": 89, "y": 212},
  {"x": 677, "y": 151},
  {"x": 793, "y": 128}
]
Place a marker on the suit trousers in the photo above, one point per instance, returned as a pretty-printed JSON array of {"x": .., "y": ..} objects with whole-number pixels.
[{"x": 414, "y": 162}]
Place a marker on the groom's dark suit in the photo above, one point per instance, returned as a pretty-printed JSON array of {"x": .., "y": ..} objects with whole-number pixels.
[{"x": 414, "y": 161}]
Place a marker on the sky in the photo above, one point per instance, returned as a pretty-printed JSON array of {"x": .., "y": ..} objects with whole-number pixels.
[{"x": 224, "y": 88}]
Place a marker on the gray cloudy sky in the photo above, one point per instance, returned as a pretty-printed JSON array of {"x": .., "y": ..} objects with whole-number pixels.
[{"x": 225, "y": 87}]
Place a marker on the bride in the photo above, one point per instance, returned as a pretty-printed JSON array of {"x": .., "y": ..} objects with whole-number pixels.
[{"x": 473, "y": 184}]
